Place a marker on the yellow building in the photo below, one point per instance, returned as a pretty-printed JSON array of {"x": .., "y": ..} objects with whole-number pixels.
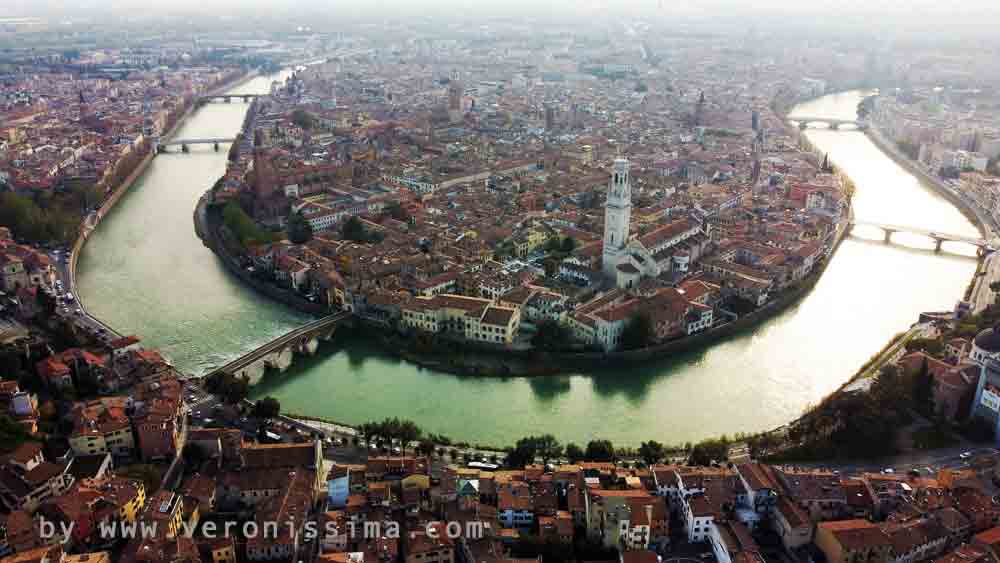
[
  {"x": 166, "y": 509},
  {"x": 472, "y": 318},
  {"x": 853, "y": 541}
]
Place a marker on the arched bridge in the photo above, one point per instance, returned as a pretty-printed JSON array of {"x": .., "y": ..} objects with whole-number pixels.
[
  {"x": 832, "y": 123},
  {"x": 939, "y": 237},
  {"x": 228, "y": 98},
  {"x": 280, "y": 352},
  {"x": 185, "y": 143}
]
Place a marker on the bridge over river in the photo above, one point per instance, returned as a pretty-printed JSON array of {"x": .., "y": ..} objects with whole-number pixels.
[
  {"x": 831, "y": 122},
  {"x": 279, "y": 353},
  {"x": 939, "y": 237}
]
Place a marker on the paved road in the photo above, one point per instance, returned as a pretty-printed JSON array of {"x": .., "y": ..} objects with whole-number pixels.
[
  {"x": 982, "y": 295},
  {"x": 68, "y": 307},
  {"x": 955, "y": 457}
]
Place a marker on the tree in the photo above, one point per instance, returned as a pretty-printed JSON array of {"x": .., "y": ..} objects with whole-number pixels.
[
  {"x": 268, "y": 407},
  {"x": 568, "y": 244},
  {"x": 638, "y": 333},
  {"x": 367, "y": 431},
  {"x": 303, "y": 119},
  {"x": 600, "y": 450},
  {"x": 995, "y": 288},
  {"x": 523, "y": 453},
  {"x": 12, "y": 434},
  {"x": 396, "y": 211},
  {"x": 242, "y": 226},
  {"x": 923, "y": 390},
  {"x": 574, "y": 452},
  {"x": 299, "y": 230},
  {"x": 652, "y": 452},
  {"x": 426, "y": 447},
  {"x": 709, "y": 451},
  {"x": 354, "y": 230},
  {"x": 408, "y": 432},
  {"x": 232, "y": 389},
  {"x": 551, "y": 335},
  {"x": 549, "y": 447}
]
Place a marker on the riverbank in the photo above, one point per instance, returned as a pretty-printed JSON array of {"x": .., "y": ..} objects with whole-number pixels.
[
  {"x": 91, "y": 222},
  {"x": 207, "y": 226},
  {"x": 749, "y": 382},
  {"x": 510, "y": 362},
  {"x": 543, "y": 363},
  {"x": 986, "y": 226}
]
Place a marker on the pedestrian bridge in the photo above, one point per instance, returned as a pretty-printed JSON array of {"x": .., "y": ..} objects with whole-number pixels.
[
  {"x": 184, "y": 144},
  {"x": 939, "y": 237},
  {"x": 833, "y": 123},
  {"x": 228, "y": 98},
  {"x": 279, "y": 353}
]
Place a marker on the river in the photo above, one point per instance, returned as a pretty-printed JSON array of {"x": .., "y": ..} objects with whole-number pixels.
[{"x": 145, "y": 272}]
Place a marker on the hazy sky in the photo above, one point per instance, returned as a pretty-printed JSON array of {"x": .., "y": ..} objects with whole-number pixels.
[{"x": 913, "y": 10}]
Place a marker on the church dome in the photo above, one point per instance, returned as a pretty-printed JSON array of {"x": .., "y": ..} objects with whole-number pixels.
[{"x": 989, "y": 340}]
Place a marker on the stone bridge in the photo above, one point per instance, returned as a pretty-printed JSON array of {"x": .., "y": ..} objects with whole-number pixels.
[
  {"x": 280, "y": 353},
  {"x": 161, "y": 147},
  {"x": 833, "y": 123},
  {"x": 982, "y": 245},
  {"x": 228, "y": 98}
]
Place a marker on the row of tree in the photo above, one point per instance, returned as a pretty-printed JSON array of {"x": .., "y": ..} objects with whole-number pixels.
[
  {"x": 243, "y": 227},
  {"x": 547, "y": 448},
  {"x": 389, "y": 431}
]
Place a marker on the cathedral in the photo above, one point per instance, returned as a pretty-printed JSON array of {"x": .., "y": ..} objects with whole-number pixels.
[{"x": 670, "y": 249}]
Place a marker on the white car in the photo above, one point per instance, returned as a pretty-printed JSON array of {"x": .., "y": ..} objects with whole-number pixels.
[{"x": 965, "y": 455}]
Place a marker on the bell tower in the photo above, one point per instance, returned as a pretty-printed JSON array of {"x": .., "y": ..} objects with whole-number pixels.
[{"x": 617, "y": 214}]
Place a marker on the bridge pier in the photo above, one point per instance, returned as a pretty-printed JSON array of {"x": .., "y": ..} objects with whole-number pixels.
[
  {"x": 937, "y": 244},
  {"x": 834, "y": 126},
  {"x": 253, "y": 372},
  {"x": 280, "y": 360},
  {"x": 887, "y": 235},
  {"x": 185, "y": 148},
  {"x": 309, "y": 346},
  {"x": 216, "y": 146}
]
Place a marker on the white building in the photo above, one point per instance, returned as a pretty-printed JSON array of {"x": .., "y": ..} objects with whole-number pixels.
[{"x": 617, "y": 214}]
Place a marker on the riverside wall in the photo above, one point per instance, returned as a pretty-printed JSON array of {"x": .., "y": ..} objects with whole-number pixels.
[
  {"x": 208, "y": 232},
  {"x": 987, "y": 227},
  {"x": 88, "y": 227}
]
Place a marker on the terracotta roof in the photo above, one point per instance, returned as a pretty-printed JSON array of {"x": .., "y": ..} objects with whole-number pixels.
[{"x": 856, "y": 535}]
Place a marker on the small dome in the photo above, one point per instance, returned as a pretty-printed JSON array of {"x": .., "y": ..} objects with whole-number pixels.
[{"x": 989, "y": 340}]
